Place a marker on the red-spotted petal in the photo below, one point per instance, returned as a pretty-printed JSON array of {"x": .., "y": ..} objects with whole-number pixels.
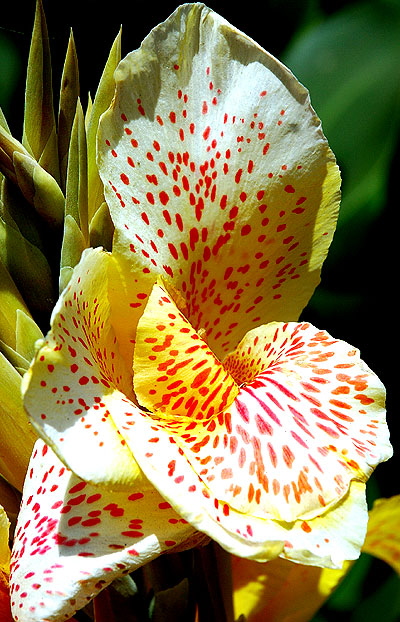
[
  {"x": 311, "y": 417},
  {"x": 79, "y": 371},
  {"x": 73, "y": 539},
  {"x": 185, "y": 478},
  {"x": 309, "y": 422},
  {"x": 218, "y": 175},
  {"x": 175, "y": 371}
]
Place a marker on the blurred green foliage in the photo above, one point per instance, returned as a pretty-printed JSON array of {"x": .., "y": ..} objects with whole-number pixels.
[
  {"x": 10, "y": 71},
  {"x": 347, "y": 54}
]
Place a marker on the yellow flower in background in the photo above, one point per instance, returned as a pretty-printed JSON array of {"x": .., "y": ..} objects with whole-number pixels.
[
  {"x": 281, "y": 591},
  {"x": 176, "y": 395}
]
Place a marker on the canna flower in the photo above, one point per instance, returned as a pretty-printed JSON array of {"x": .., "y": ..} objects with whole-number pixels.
[{"x": 176, "y": 395}]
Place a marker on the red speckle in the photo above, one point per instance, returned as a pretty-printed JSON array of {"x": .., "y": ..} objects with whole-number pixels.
[
  {"x": 206, "y": 132},
  {"x": 164, "y": 198}
]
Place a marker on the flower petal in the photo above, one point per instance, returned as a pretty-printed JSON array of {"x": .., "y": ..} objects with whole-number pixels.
[
  {"x": 184, "y": 476},
  {"x": 281, "y": 591},
  {"x": 218, "y": 175},
  {"x": 309, "y": 422},
  {"x": 73, "y": 539},
  {"x": 312, "y": 417},
  {"x": 78, "y": 372},
  {"x": 175, "y": 372},
  {"x": 383, "y": 537}
]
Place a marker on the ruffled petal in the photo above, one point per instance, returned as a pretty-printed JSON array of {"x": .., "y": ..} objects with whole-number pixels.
[
  {"x": 281, "y": 591},
  {"x": 383, "y": 537},
  {"x": 309, "y": 419},
  {"x": 218, "y": 175},
  {"x": 73, "y": 539},
  {"x": 173, "y": 457},
  {"x": 175, "y": 372},
  {"x": 286, "y": 451},
  {"x": 79, "y": 376}
]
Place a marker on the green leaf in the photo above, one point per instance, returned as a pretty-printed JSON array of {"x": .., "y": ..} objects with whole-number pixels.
[
  {"x": 17, "y": 212},
  {"x": 72, "y": 248},
  {"x": 27, "y": 332},
  {"x": 349, "y": 592},
  {"x": 76, "y": 204},
  {"x": 69, "y": 94},
  {"x": 16, "y": 434},
  {"x": 385, "y": 599},
  {"x": 39, "y": 188},
  {"x": 28, "y": 268},
  {"x": 101, "y": 228},
  {"x": 350, "y": 65},
  {"x": 20, "y": 363},
  {"x": 11, "y": 302},
  {"x": 102, "y": 100},
  {"x": 39, "y": 132}
]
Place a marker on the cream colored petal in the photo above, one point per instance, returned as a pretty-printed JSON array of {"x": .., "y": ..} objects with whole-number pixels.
[
  {"x": 218, "y": 175},
  {"x": 73, "y": 539},
  {"x": 78, "y": 375},
  {"x": 310, "y": 416}
]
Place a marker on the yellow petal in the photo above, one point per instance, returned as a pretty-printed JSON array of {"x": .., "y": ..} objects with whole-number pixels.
[
  {"x": 383, "y": 536},
  {"x": 217, "y": 174},
  {"x": 285, "y": 592},
  {"x": 281, "y": 591},
  {"x": 175, "y": 371}
]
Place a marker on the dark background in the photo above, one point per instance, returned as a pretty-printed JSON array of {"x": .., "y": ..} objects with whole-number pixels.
[{"x": 348, "y": 55}]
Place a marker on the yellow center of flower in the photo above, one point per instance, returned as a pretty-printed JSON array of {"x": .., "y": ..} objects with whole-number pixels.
[{"x": 175, "y": 372}]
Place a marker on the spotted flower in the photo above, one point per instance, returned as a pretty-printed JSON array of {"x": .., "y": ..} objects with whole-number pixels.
[{"x": 176, "y": 396}]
